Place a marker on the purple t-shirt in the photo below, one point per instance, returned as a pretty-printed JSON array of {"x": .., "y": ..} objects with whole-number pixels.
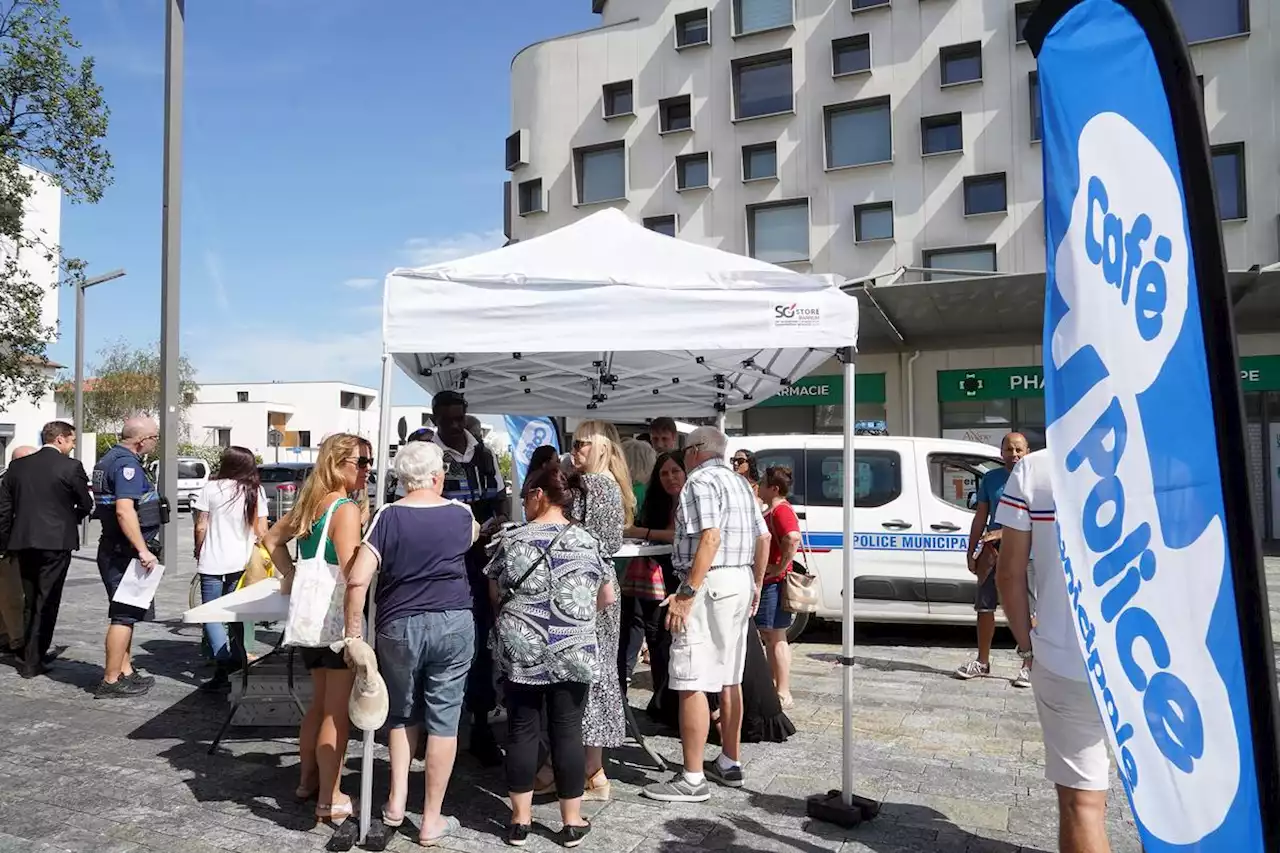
[{"x": 420, "y": 551}]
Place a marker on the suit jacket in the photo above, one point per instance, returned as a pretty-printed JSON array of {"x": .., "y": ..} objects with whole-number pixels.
[{"x": 43, "y": 498}]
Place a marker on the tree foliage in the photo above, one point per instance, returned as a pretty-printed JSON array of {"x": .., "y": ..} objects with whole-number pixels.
[
  {"x": 126, "y": 382},
  {"x": 53, "y": 118}
]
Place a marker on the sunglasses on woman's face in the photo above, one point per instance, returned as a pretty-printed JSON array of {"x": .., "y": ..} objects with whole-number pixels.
[
  {"x": 581, "y": 444},
  {"x": 362, "y": 461},
  {"x": 740, "y": 460}
]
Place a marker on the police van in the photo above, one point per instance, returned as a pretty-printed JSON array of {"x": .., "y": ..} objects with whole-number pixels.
[{"x": 911, "y": 519}]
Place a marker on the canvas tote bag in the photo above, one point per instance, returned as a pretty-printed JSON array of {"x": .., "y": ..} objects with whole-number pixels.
[
  {"x": 316, "y": 600},
  {"x": 799, "y": 592}
]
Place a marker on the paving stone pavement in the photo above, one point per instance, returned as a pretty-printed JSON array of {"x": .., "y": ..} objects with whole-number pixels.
[{"x": 958, "y": 766}]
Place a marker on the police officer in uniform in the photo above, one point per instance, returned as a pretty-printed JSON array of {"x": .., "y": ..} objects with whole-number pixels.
[{"x": 131, "y": 512}]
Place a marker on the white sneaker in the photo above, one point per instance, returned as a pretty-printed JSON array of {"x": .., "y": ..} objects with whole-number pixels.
[
  {"x": 1023, "y": 679},
  {"x": 973, "y": 669}
]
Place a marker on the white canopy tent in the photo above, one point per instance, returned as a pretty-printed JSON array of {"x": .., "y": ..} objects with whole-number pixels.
[{"x": 604, "y": 318}]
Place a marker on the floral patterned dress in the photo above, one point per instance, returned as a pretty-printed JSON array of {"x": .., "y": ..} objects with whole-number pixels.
[
  {"x": 600, "y": 511},
  {"x": 545, "y": 633}
]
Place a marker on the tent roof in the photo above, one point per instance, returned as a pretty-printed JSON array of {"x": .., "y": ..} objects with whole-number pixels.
[{"x": 606, "y": 318}]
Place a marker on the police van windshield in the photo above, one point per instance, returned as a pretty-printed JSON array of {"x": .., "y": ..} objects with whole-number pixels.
[{"x": 191, "y": 470}]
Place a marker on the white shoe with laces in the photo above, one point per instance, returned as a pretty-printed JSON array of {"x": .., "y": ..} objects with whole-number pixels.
[
  {"x": 973, "y": 669},
  {"x": 1024, "y": 678}
]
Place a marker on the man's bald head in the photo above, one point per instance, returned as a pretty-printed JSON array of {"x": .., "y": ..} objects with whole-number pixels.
[
  {"x": 140, "y": 434},
  {"x": 21, "y": 451},
  {"x": 1012, "y": 448}
]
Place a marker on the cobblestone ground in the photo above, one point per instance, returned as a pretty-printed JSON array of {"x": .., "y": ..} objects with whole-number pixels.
[{"x": 958, "y": 766}]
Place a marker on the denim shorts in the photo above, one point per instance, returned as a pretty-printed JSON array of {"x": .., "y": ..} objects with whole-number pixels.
[
  {"x": 770, "y": 616},
  {"x": 113, "y": 562},
  {"x": 424, "y": 659}
]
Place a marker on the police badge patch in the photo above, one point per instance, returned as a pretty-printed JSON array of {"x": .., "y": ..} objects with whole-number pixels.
[{"x": 128, "y": 473}]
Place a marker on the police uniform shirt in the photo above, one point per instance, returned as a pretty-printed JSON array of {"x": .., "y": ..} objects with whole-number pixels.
[{"x": 119, "y": 474}]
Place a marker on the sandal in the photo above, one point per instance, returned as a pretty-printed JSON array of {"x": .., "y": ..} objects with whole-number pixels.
[
  {"x": 335, "y": 812},
  {"x": 388, "y": 820},
  {"x": 451, "y": 826}
]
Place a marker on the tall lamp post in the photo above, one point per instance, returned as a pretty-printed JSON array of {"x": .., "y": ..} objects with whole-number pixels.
[
  {"x": 78, "y": 414},
  {"x": 170, "y": 263}
]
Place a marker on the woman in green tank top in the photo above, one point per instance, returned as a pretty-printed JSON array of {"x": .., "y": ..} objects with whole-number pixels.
[{"x": 334, "y": 490}]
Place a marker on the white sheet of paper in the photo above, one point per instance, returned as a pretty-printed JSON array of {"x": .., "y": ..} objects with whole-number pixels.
[{"x": 138, "y": 588}]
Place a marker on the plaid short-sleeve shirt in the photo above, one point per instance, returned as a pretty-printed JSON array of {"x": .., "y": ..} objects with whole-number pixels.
[{"x": 715, "y": 497}]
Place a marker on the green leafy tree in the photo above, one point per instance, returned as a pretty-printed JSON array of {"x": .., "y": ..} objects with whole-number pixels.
[
  {"x": 53, "y": 118},
  {"x": 126, "y": 381}
]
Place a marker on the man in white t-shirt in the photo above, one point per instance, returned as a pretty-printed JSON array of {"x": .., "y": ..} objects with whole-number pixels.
[{"x": 1075, "y": 743}]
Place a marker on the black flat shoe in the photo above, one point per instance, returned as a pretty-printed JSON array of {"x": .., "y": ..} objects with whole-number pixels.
[
  {"x": 518, "y": 834},
  {"x": 572, "y": 836}
]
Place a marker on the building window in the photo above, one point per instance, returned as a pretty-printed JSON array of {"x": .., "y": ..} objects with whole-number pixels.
[
  {"x": 517, "y": 150},
  {"x": 858, "y": 133},
  {"x": 601, "y": 172},
  {"x": 778, "y": 232},
  {"x": 693, "y": 171},
  {"x": 760, "y": 162},
  {"x": 618, "y": 100},
  {"x": 757, "y": 16},
  {"x": 961, "y": 63},
  {"x": 873, "y": 222},
  {"x": 693, "y": 28},
  {"x": 762, "y": 86},
  {"x": 304, "y": 438},
  {"x": 662, "y": 224},
  {"x": 1037, "y": 117},
  {"x": 858, "y": 5},
  {"x": 1021, "y": 13},
  {"x": 1203, "y": 20},
  {"x": 851, "y": 55},
  {"x": 675, "y": 114},
  {"x": 964, "y": 259},
  {"x": 941, "y": 134},
  {"x": 224, "y": 438},
  {"x": 242, "y": 396},
  {"x": 985, "y": 194},
  {"x": 1228, "y": 176},
  {"x": 531, "y": 199}
]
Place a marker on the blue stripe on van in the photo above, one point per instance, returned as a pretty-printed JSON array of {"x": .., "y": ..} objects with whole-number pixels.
[{"x": 890, "y": 541}]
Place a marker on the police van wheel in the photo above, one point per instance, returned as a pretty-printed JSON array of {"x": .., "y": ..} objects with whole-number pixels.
[{"x": 798, "y": 626}]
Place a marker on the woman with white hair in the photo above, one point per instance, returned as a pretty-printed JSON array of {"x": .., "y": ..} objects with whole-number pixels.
[{"x": 425, "y": 631}]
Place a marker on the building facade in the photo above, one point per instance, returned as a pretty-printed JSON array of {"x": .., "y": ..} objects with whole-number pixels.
[
  {"x": 300, "y": 414},
  {"x": 882, "y": 140},
  {"x": 22, "y": 420}
]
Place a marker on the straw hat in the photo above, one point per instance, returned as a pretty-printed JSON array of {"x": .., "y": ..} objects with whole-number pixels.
[{"x": 368, "y": 705}]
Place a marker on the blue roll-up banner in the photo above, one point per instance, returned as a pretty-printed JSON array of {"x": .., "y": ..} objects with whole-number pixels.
[
  {"x": 527, "y": 435},
  {"x": 1145, "y": 426}
]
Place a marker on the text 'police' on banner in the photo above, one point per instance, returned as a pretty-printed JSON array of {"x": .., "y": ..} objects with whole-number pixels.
[{"x": 1160, "y": 556}]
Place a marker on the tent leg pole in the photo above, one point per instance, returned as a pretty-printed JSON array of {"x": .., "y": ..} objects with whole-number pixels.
[
  {"x": 843, "y": 807},
  {"x": 384, "y": 466}
]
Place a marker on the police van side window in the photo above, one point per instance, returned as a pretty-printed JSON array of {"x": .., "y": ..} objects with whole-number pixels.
[
  {"x": 793, "y": 459},
  {"x": 954, "y": 478},
  {"x": 878, "y": 479}
]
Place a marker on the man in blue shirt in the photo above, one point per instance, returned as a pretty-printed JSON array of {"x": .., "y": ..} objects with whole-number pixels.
[
  {"x": 984, "y": 545},
  {"x": 130, "y": 509}
]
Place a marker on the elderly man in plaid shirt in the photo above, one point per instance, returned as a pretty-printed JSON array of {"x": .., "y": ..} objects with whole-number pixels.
[{"x": 721, "y": 548}]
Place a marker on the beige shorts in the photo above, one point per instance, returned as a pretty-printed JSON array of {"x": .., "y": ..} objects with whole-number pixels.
[
  {"x": 711, "y": 652},
  {"x": 1075, "y": 743}
]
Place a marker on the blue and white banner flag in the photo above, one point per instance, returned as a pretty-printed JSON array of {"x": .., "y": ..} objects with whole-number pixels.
[
  {"x": 1145, "y": 427},
  {"x": 527, "y": 435}
]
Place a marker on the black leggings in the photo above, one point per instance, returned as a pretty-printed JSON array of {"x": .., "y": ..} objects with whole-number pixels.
[
  {"x": 643, "y": 621},
  {"x": 564, "y": 703}
]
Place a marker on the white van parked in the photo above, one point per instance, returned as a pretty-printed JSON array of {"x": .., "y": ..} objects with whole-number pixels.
[
  {"x": 911, "y": 519},
  {"x": 193, "y": 473}
]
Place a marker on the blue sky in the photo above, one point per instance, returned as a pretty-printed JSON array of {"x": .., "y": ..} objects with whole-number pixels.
[{"x": 325, "y": 142}]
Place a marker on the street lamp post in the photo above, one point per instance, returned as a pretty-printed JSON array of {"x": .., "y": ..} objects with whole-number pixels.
[
  {"x": 78, "y": 414},
  {"x": 170, "y": 264}
]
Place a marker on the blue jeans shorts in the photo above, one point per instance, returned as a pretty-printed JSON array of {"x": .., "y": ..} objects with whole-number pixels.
[
  {"x": 770, "y": 616},
  {"x": 424, "y": 659}
]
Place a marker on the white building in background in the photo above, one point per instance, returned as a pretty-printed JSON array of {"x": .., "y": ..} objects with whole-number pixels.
[
  {"x": 887, "y": 141},
  {"x": 304, "y": 413},
  {"x": 21, "y": 421}
]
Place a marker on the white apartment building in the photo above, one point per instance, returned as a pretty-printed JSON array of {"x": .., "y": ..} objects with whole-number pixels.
[
  {"x": 303, "y": 413},
  {"x": 885, "y": 141},
  {"x": 21, "y": 421}
]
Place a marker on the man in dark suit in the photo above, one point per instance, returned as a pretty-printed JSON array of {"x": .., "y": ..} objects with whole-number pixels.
[{"x": 43, "y": 499}]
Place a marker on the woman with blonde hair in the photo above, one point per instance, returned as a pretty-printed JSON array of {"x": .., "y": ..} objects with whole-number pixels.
[
  {"x": 334, "y": 498},
  {"x": 605, "y": 507}
]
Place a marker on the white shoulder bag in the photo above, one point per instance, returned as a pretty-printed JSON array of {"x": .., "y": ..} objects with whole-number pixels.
[{"x": 317, "y": 599}]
